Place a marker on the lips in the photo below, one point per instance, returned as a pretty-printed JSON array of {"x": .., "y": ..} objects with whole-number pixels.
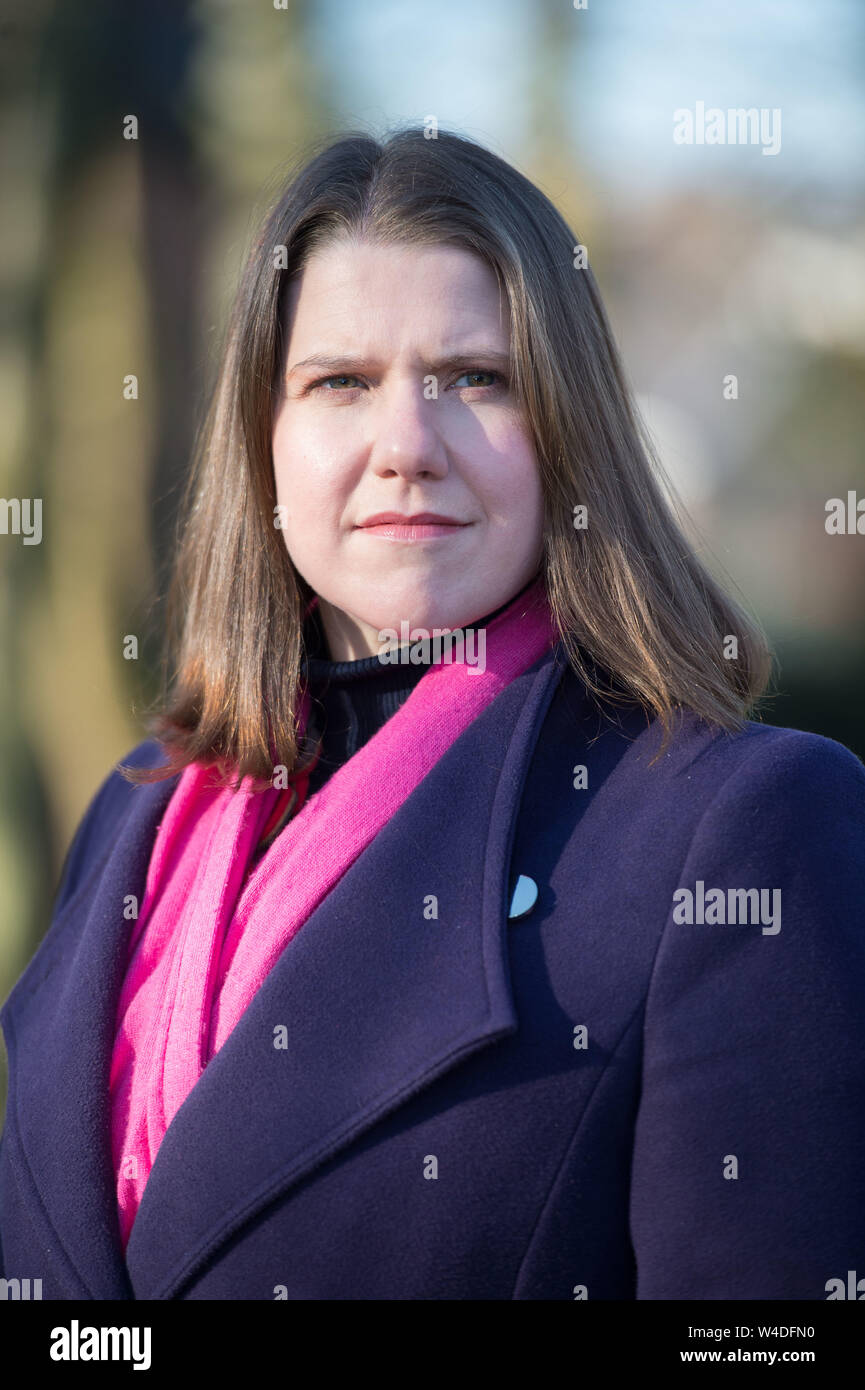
[
  {"x": 417, "y": 519},
  {"x": 422, "y": 526}
]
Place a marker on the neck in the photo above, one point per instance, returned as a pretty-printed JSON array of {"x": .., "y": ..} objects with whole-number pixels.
[{"x": 349, "y": 639}]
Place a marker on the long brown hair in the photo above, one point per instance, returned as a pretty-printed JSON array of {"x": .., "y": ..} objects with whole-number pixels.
[{"x": 628, "y": 594}]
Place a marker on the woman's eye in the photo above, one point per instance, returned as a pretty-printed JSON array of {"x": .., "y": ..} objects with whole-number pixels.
[
  {"x": 341, "y": 382},
  {"x": 472, "y": 378}
]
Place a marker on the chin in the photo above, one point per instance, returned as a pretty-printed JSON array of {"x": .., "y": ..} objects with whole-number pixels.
[{"x": 388, "y": 601}]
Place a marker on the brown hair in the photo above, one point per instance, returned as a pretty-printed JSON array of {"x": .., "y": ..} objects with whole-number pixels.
[{"x": 628, "y": 594}]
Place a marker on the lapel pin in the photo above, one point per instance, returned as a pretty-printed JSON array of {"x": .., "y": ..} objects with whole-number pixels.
[{"x": 525, "y": 896}]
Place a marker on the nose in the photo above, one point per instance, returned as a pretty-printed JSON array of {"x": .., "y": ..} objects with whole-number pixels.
[{"x": 407, "y": 441}]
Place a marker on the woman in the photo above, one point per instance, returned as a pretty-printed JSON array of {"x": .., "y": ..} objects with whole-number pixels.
[{"x": 511, "y": 964}]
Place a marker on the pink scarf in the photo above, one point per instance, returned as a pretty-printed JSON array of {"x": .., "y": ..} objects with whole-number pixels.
[{"x": 208, "y": 932}]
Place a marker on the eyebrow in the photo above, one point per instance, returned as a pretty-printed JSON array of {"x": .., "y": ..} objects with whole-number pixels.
[{"x": 348, "y": 362}]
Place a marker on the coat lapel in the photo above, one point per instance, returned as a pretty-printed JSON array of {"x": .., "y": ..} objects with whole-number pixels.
[{"x": 374, "y": 999}]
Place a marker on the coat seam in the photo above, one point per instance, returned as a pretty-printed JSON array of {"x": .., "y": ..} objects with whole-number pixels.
[
  {"x": 545, "y": 1205},
  {"x": 734, "y": 772},
  {"x": 641, "y": 1007}
]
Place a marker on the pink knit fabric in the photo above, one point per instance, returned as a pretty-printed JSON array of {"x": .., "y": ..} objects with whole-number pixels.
[{"x": 207, "y": 935}]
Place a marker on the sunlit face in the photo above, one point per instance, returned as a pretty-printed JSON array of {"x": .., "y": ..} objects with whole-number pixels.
[{"x": 396, "y": 400}]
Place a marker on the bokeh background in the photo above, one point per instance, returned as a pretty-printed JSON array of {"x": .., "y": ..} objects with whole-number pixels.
[{"x": 120, "y": 257}]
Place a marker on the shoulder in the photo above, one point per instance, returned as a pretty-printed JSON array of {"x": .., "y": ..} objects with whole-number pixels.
[
  {"x": 784, "y": 810},
  {"x": 107, "y": 807},
  {"x": 705, "y": 781},
  {"x": 782, "y": 781},
  {"x": 116, "y": 790}
]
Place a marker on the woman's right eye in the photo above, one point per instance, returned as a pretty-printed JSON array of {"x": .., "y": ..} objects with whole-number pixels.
[{"x": 327, "y": 380}]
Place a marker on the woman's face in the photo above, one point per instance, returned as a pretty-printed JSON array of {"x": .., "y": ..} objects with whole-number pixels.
[{"x": 396, "y": 400}]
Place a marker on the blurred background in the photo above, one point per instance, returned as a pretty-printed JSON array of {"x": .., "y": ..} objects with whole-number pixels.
[{"x": 120, "y": 256}]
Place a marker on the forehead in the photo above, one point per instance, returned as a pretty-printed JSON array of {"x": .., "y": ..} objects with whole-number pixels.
[{"x": 361, "y": 290}]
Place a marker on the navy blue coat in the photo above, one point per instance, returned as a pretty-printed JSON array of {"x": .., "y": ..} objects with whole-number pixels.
[{"x": 434, "y": 1129}]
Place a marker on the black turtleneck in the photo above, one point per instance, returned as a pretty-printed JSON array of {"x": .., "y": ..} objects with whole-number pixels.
[{"x": 352, "y": 699}]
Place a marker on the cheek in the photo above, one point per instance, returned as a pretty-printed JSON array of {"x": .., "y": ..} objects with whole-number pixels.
[
  {"x": 300, "y": 494},
  {"x": 305, "y": 470},
  {"x": 512, "y": 476}
]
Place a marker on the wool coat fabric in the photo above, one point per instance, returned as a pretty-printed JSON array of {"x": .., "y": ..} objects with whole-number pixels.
[{"x": 431, "y": 1099}]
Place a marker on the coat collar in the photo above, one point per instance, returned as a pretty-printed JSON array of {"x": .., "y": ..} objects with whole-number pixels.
[{"x": 377, "y": 1000}]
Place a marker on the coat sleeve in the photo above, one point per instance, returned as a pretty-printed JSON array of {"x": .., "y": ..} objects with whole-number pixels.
[{"x": 748, "y": 1176}]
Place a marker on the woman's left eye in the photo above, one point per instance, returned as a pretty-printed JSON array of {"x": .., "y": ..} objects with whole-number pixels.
[{"x": 471, "y": 378}]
